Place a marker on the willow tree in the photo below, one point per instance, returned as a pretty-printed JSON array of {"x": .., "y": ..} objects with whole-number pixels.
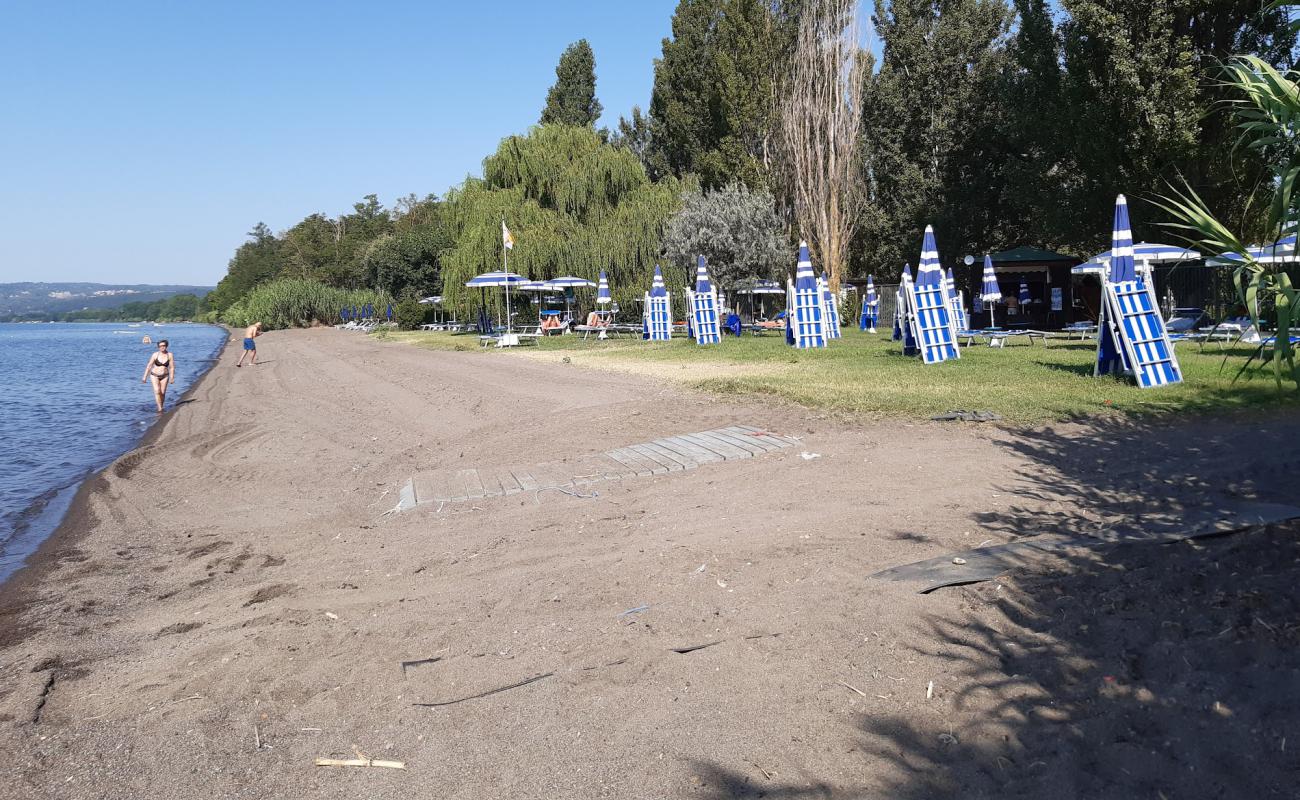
[
  {"x": 820, "y": 123},
  {"x": 574, "y": 205}
]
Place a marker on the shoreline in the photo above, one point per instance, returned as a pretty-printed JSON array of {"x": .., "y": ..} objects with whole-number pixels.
[{"x": 38, "y": 562}]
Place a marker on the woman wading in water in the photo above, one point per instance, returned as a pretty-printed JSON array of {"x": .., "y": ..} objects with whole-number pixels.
[{"x": 162, "y": 371}]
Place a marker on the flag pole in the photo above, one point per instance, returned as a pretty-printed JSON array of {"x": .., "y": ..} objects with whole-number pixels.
[{"x": 505, "y": 267}]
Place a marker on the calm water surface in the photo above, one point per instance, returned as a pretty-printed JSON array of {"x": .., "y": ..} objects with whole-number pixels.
[{"x": 71, "y": 401}]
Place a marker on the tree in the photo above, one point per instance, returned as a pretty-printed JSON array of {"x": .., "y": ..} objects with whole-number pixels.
[
  {"x": 933, "y": 129},
  {"x": 255, "y": 261},
  {"x": 633, "y": 134},
  {"x": 735, "y": 229},
  {"x": 572, "y": 100},
  {"x": 713, "y": 107},
  {"x": 575, "y": 206},
  {"x": 821, "y": 126}
]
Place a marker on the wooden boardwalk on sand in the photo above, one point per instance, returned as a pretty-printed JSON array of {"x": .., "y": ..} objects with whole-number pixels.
[{"x": 660, "y": 457}]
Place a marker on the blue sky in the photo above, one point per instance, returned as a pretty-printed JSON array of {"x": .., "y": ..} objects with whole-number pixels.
[{"x": 140, "y": 141}]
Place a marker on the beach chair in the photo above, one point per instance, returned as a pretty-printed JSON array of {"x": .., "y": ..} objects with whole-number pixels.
[
  {"x": 806, "y": 309},
  {"x": 830, "y": 309},
  {"x": 657, "y": 325}
]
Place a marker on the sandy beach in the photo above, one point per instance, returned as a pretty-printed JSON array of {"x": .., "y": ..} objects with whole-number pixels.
[{"x": 231, "y": 601}]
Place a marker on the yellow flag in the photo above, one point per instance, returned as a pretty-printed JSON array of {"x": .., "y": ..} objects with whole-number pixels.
[{"x": 506, "y": 238}]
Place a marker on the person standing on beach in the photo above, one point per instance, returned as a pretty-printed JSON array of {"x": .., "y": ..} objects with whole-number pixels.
[
  {"x": 250, "y": 346},
  {"x": 161, "y": 370}
]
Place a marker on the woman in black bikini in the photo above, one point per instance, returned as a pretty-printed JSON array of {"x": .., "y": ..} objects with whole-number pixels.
[{"x": 161, "y": 369}]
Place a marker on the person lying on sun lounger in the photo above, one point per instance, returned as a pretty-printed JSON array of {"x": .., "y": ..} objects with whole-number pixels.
[
  {"x": 552, "y": 323},
  {"x": 596, "y": 320}
]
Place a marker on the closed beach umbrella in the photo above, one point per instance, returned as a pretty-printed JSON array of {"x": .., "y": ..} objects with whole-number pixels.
[
  {"x": 1024, "y": 297},
  {"x": 902, "y": 330},
  {"x": 897, "y": 335},
  {"x": 954, "y": 301},
  {"x": 870, "y": 307},
  {"x": 501, "y": 279},
  {"x": 603, "y": 297},
  {"x": 1110, "y": 354},
  {"x": 990, "y": 293},
  {"x": 929, "y": 273},
  {"x": 657, "y": 288},
  {"x": 702, "y": 283}
]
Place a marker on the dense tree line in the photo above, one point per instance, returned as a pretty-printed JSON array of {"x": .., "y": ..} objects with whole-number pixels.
[
  {"x": 177, "y": 308},
  {"x": 1001, "y": 122}
]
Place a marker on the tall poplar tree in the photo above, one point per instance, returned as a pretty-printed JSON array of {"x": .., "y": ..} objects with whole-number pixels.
[{"x": 572, "y": 100}]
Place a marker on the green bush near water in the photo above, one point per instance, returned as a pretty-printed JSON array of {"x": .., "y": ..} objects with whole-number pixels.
[{"x": 298, "y": 303}]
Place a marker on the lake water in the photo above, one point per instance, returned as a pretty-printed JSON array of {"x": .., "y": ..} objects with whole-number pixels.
[{"x": 71, "y": 401}]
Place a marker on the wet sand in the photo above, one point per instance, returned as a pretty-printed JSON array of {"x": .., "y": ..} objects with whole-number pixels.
[{"x": 230, "y": 601}]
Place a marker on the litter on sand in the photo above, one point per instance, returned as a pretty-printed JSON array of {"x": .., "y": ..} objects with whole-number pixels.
[
  {"x": 359, "y": 762},
  {"x": 806, "y": 456}
]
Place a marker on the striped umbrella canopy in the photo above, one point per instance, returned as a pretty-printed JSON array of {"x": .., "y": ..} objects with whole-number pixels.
[
  {"x": 1282, "y": 251},
  {"x": 702, "y": 276},
  {"x": 490, "y": 279},
  {"x": 657, "y": 289},
  {"x": 602, "y": 290},
  {"x": 533, "y": 286},
  {"x": 989, "y": 292},
  {"x": 431, "y": 301},
  {"x": 569, "y": 282},
  {"x": 1121, "y": 245},
  {"x": 803, "y": 274},
  {"x": 502, "y": 279},
  {"x": 1148, "y": 252},
  {"x": 952, "y": 286},
  {"x": 929, "y": 272},
  {"x": 1024, "y": 294}
]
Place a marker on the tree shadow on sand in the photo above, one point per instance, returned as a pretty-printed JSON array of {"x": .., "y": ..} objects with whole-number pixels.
[{"x": 1134, "y": 670}]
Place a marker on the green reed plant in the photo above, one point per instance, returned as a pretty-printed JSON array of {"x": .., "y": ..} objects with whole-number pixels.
[{"x": 299, "y": 303}]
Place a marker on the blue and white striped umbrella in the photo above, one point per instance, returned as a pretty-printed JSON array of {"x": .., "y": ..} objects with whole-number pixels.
[
  {"x": 1142, "y": 252},
  {"x": 952, "y": 287},
  {"x": 569, "y": 282},
  {"x": 657, "y": 289},
  {"x": 870, "y": 308},
  {"x": 491, "y": 279},
  {"x": 1024, "y": 294},
  {"x": 990, "y": 292},
  {"x": 929, "y": 272},
  {"x": 1283, "y": 251},
  {"x": 603, "y": 296},
  {"x": 897, "y": 334},
  {"x": 902, "y": 328},
  {"x": 804, "y": 279},
  {"x": 702, "y": 276},
  {"x": 1122, "y": 267},
  {"x": 532, "y": 286}
]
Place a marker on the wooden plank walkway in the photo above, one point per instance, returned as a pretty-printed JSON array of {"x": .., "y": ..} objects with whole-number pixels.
[{"x": 660, "y": 457}]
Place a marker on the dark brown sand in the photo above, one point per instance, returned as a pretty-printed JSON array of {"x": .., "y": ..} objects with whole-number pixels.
[{"x": 229, "y": 602}]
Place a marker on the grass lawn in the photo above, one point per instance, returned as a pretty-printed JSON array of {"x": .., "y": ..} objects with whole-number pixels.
[{"x": 867, "y": 373}]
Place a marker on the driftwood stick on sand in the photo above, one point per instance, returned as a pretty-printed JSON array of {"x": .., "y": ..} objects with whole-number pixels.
[
  {"x": 854, "y": 688},
  {"x": 359, "y": 762},
  {"x": 497, "y": 690}
]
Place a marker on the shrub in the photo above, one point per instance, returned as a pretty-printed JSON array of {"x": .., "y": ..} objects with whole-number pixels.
[{"x": 409, "y": 314}]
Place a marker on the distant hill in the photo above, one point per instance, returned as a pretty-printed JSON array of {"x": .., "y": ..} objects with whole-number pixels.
[{"x": 29, "y": 300}]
